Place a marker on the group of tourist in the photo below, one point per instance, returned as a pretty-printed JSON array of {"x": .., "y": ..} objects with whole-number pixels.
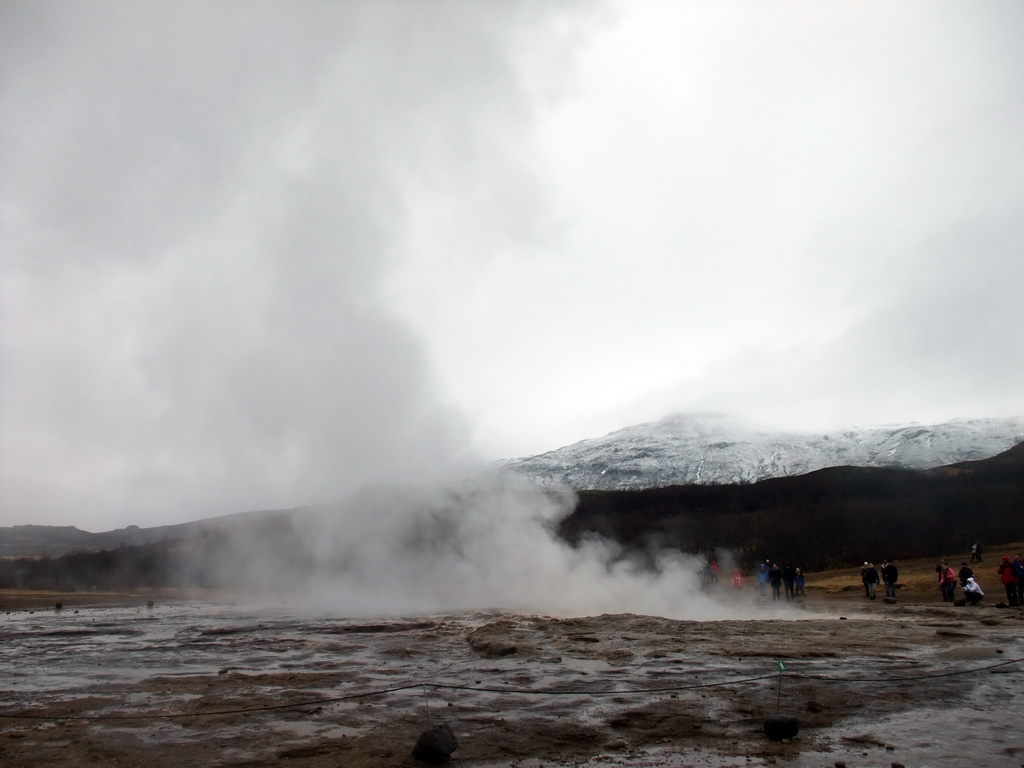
[
  {"x": 1010, "y": 572},
  {"x": 788, "y": 580},
  {"x": 709, "y": 573},
  {"x": 870, "y": 576},
  {"x": 791, "y": 578}
]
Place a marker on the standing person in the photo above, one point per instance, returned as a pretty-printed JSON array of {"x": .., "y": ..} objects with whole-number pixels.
[
  {"x": 976, "y": 551},
  {"x": 863, "y": 577},
  {"x": 799, "y": 581},
  {"x": 1008, "y": 576},
  {"x": 788, "y": 577},
  {"x": 947, "y": 581},
  {"x": 889, "y": 575},
  {"x": 1018, "y": 571},
  {"x": 775, "y": 578},
  {"x": 762, "y": 580},
  {"x": 737, "y": 579},
  {"x": 964, "y": 573},
  {"x": 870, "y": 577}
]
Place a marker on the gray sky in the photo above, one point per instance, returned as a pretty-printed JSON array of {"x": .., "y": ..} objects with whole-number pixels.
[{"x": 257, "y": 255}]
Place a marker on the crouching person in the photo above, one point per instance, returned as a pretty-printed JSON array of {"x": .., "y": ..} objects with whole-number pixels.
[{"x": 972, "y": 591}]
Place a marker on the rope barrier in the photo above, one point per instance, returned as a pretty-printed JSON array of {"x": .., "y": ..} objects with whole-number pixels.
[
  {"x": 829, "y": 679},
  {"x": 503, "y": 690}
]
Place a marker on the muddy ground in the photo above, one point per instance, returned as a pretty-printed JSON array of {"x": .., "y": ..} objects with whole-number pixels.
[{"x": 195, "y": 683}]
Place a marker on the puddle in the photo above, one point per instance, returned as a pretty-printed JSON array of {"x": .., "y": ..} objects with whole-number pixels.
[
  {"x": 586, "y": 666},
  {"x": 308, "y": 729}
]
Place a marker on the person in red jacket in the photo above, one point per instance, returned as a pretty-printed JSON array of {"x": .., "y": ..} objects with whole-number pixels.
[
  {"x": 947, "y": 581},
  {"x": 1008, "y": 576},
  {"x": 737, "y": 579},
  {"x": 1018, "y": 571}
]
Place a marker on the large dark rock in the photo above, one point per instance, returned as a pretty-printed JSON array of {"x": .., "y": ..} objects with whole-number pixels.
[
  {"x": 779, "y": 727},
  {"x": 436, "y": 744}
]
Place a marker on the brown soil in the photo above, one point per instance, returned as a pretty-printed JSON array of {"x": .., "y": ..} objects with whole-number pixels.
[{"x": 110, "y": 681}]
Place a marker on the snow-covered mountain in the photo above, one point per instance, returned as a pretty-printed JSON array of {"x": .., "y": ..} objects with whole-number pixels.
[{"x": 712, "y": 448}]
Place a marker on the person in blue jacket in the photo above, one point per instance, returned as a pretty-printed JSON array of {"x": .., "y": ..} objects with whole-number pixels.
[{"x": 762, "y": 580}]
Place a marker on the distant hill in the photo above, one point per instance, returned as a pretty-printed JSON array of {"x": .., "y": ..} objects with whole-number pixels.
[
  {"x": 712, "y": 449},
  {"x": 827, "y": 518},
  {"x": 53, "y": 540}
]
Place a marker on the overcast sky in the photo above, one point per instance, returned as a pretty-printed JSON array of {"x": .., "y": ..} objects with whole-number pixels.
[{"x": 256, "y": 255}]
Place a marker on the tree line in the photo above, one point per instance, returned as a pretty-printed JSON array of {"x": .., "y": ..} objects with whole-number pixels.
[{"x": 830, "y": 518}]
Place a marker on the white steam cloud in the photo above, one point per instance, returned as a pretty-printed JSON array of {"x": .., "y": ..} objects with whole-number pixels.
[
  {"x": 201, "y": 206},
  {"x": 483, "y": 544}
]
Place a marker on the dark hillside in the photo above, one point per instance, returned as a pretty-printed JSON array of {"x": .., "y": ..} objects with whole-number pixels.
[
  {"x": 828, "y": 518},
  {"x": 831, "y": 518}
]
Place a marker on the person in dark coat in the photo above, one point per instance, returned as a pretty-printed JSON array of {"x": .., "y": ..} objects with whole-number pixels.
[
  {"x": 870, "y": 577},
  {"x": 889, "y": 575},
  {"x": 789, "y": 579},
  {"x": 964, "y": 573},
  {"x": 775, "y": 579},
  {"x": 1018, "y": 571}
]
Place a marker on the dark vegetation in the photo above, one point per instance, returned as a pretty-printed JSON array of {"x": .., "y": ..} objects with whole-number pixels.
[
  {"x": 826, "y": 519},
  {"x": 167, "y": 564},
  {"x": 831, "y": 518}
]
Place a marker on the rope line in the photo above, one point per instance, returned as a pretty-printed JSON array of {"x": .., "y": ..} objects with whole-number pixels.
[
  {"x": 829, "y": 679},
  {"x": 503, "y": 690}
]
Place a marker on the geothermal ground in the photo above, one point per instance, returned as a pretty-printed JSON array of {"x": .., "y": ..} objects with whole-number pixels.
[{"x": 188, "y": 683}]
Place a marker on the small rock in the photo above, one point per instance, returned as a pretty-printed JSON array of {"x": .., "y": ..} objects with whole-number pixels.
[
  {"x": 436, "y": 744},
  {"x": 814, "y": 706}
]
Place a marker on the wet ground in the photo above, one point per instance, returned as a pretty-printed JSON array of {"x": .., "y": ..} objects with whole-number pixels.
[{"x": 196, "y": 683}]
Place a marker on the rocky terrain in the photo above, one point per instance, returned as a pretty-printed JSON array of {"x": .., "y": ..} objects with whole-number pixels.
[{"x": 187, "y": 682}]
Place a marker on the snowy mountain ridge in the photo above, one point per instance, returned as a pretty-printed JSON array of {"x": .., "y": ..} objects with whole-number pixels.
[{"x": 707, "y": 448}]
